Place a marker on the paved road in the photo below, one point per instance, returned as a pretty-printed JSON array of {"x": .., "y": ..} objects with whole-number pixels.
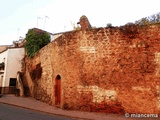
[{"x": 8, "y": 112}]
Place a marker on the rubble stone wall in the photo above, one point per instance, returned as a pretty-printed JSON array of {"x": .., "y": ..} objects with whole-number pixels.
[{"x": 112, "y": 70}]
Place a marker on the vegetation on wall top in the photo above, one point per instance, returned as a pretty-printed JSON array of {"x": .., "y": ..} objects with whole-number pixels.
[
  {"x": 35, "y": 40},
  {"x": 131, "y": 29},
  {"x": 153, "y": 19}
]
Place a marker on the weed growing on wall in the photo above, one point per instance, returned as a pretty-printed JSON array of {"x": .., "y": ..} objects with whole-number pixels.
[{"x": 35, "y": 40}]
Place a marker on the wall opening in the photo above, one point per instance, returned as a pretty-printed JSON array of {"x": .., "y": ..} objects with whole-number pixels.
[
  {"x": 57, "y": 91},
  {"x": 12, "y": 81}
]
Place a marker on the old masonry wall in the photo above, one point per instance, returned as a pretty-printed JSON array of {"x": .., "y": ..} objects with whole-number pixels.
[{"x": 112, "y": 70}]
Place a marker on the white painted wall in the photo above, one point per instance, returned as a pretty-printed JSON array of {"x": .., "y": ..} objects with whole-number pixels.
[
  {"x": 13, "y": 64},
  {"x": 55, "y": 36},
  {"x": 3, "y": 55},
  {"x": 3, "y": 58}
]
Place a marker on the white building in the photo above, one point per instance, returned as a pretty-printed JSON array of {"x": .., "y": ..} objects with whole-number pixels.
[{"x": 10, "y": 63}]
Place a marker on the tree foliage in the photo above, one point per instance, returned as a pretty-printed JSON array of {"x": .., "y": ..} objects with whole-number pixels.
[
  {"x": 35, "y": 40},
  {"x": 153, "y": 19},
  {"x": 109, "y": 25}
]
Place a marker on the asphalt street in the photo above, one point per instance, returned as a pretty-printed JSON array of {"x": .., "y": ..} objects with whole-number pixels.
[{"x": 8, "y": 112}]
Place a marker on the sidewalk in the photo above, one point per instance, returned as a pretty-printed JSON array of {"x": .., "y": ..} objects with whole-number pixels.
[{"x": 31, "y": 103}]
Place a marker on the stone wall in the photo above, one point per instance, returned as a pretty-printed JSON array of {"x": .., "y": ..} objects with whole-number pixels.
[{"x": 112, "y": 70}]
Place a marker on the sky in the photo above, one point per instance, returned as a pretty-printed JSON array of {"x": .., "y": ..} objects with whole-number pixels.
[{"x": 17, "y": 16}]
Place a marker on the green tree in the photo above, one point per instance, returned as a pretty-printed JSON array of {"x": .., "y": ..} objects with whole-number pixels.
[{"x": 35, "y": 40}]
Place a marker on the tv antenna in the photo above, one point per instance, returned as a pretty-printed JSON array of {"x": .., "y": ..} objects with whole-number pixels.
[
  {"x": 45, "y": 21},
  {"x": 38, "y": 19}
]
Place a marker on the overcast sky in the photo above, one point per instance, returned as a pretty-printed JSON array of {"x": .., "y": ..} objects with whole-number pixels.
[{"x": 17, "y": 16}]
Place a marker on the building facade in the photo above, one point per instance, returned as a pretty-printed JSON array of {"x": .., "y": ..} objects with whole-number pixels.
[{"x": 11, "y": 62}]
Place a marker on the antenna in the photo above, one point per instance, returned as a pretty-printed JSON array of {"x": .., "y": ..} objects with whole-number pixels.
[
  {"x": 64, "y": 28},
  {"x": 38, "y": 19},
  {"x": 18, "y": 34},
  {"x": 45, "y": 21}
]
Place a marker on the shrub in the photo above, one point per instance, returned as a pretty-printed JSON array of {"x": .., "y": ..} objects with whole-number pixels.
[{"x": 35, "y": 40}]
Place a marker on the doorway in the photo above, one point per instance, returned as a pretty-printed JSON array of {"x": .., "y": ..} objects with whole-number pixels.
[{"x": 57, "y": 91}]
